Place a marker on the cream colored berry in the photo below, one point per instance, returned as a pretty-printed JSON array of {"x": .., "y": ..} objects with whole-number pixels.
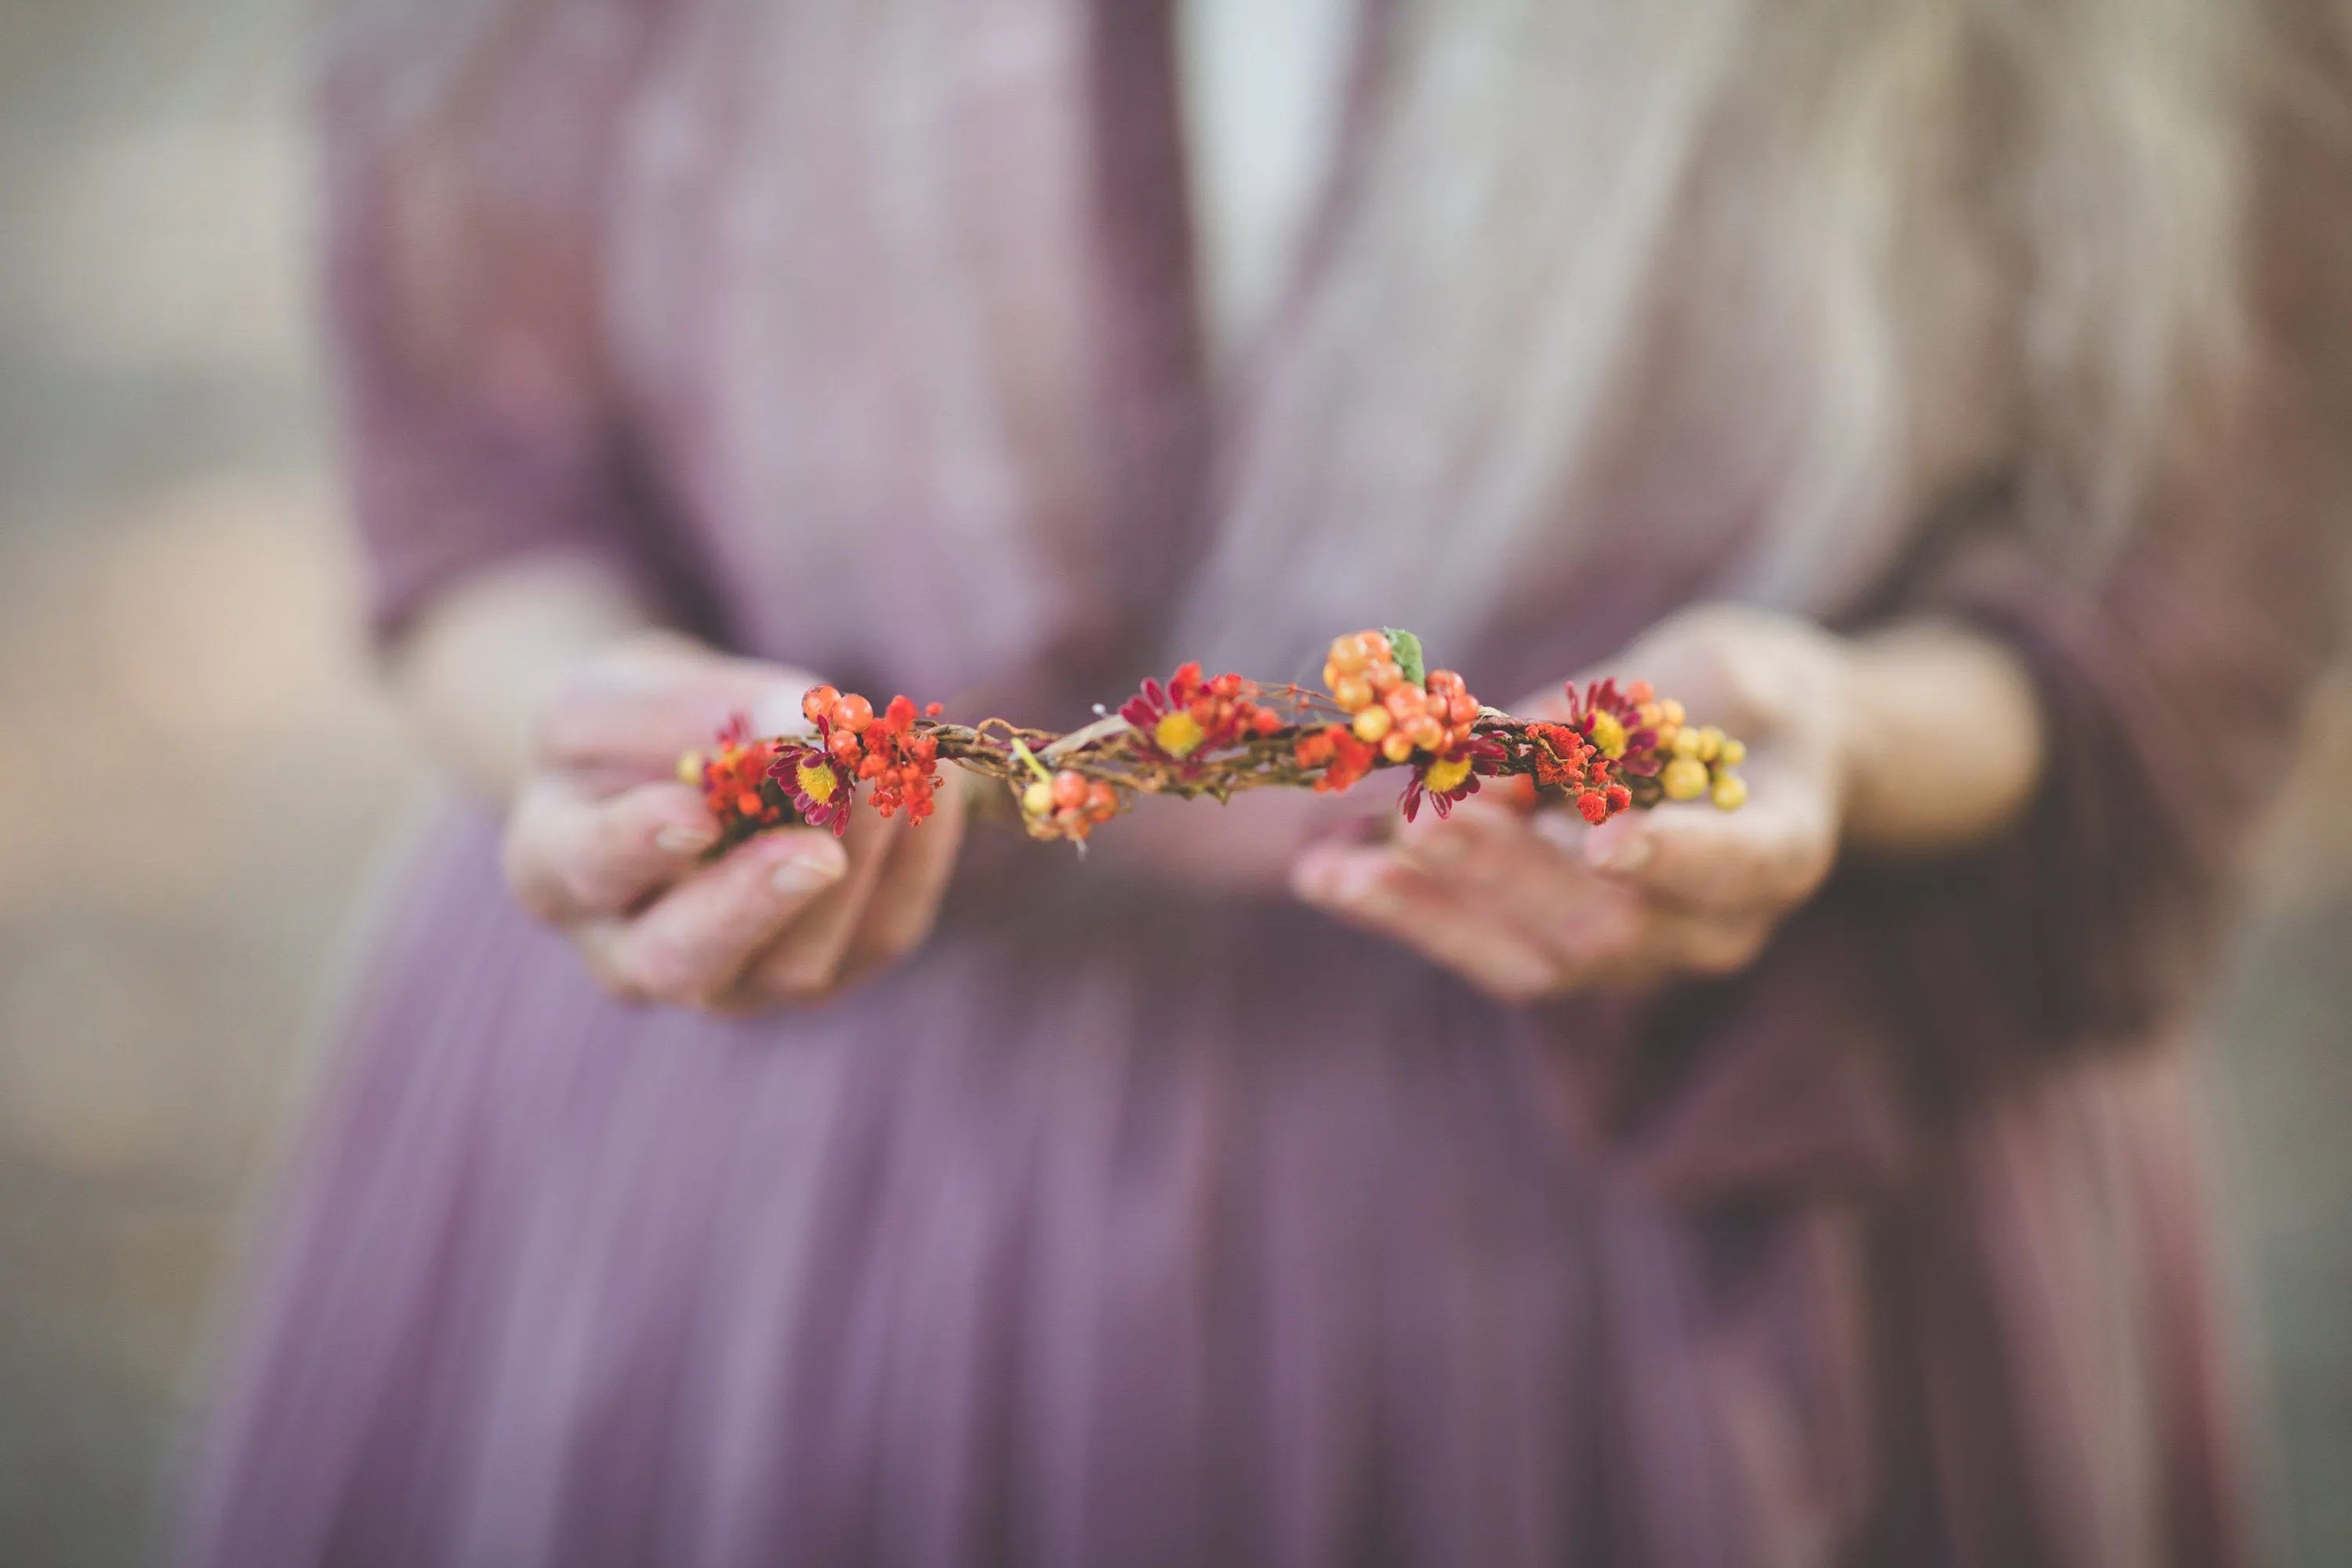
[{"x": 1684, "y": 778}]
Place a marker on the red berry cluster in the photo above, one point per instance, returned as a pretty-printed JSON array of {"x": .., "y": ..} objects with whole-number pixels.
[
  {"x": 1190, "y": 718},
  {"x": 1427, "y": 720},
  {"x": 884, "y": 750},
  {"x": 854, "y": 745}
]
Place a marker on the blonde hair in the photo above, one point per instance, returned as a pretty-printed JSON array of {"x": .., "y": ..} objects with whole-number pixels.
[{"x": 1828, "y": 254}]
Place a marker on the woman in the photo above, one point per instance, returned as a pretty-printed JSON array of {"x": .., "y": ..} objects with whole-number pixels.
[{"x": 1948, "y": 398}]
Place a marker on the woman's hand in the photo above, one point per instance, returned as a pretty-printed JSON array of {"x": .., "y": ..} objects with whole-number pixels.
[
  {"x": 1525, "y": 900},
  {"x": 603, "y": 842},
  {"x": 1920, "y": 740}
]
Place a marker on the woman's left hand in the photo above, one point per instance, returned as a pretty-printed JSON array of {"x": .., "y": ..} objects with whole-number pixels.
[{"x": 1525, "y": 900}]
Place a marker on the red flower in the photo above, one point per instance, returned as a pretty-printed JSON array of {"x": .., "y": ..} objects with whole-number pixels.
[
  {"x": 1612, "y": 722},
  {"x": 1191, "y": 717},
  {"x": 1451, "y": 779},
  {"x": 822, "y": 787}
]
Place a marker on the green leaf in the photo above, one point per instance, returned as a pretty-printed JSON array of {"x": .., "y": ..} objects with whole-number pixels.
[{"x": 1407, "y": 648}]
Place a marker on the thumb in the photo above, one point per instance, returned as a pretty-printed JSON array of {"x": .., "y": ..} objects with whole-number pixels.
[{"x": 648, "y": 710}]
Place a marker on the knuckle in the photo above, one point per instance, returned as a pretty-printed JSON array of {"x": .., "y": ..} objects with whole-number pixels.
[
  {"x": 659, "y": 971},
  {"x": 802, "y": 986},
  {"x": 596, "y": 888},
  {"x": 737, "y": 1004},
  {"x": 899, "y": 933},
  {"x": 1727, "y": 952},
  {"x": 615, "y": 982},
  {"x": 560, "y": 726},
  {"x": 537, "y": 897},
  {"x": 1516, "y": 988}
]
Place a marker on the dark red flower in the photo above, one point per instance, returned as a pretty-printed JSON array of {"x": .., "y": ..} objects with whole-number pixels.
[
  {"x": 822, "y": 787},
  {"x": 1451, "y": 779},
  {"x": 1610, "y": 720},
  {"x": 1192, "y": 717}
]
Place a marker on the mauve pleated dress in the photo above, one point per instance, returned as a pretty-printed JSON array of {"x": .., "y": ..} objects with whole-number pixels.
[{"x": 1125, "y": 1224}]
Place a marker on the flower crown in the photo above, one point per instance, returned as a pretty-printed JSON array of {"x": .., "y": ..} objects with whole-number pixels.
[{"x": 1620, "y": 748}]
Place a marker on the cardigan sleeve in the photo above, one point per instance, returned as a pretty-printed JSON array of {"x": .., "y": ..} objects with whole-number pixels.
[
  {"x": 2171, "y": 684},
  {"x": 461, "y": 206}
]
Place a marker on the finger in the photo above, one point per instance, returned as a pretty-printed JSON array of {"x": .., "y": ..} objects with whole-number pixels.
[
  {"x": 906, "y": 898},
  {"x": 1495, "y": 862},
  {"x": 1769, "y": 855},
  {"x": 1595, "y": 931},
  {"x": 800, "y": 962},
  {"x": 646, "y": 711},
  {"x": 691, "y": 943},
  {"x": 567, "y": 854},
  {"x": 1372, "y": 888}
]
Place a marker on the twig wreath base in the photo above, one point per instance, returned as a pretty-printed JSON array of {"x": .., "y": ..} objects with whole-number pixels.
[{"x": 1620, "y": 748}]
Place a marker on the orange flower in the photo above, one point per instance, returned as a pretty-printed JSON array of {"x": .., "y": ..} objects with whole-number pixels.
[
  {"x": 734, "y": 779},
  {"x": 1344, "y": 759},
  {"x": 1559, "y": 754}
]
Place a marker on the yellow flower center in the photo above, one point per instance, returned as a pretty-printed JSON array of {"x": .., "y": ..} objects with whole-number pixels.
[
  {"x": 1608, "y": 736},
  {"x": 1445, "y": 773},
  {"x": 818, "y": 782},
  {"x": 1179, "y": 734}
]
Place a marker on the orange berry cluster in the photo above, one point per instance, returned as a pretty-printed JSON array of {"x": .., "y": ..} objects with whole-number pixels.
[
  {"x": 1067, "y": 805},
  {"x": 1398, "y": 713},
  {"x": 1392, "y": 707}
]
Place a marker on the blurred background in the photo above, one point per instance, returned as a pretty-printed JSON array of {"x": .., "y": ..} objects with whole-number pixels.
[{"x": 198, "y": 784}]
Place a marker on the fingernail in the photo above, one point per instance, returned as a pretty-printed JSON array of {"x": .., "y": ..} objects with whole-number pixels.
[
  {"x": 805, "y": 874},
  {"x": 677, "y": 838},
  {"x": 1620, "y": 856}
]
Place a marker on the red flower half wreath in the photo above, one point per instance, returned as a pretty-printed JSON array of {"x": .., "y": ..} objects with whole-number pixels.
[{"x": 1620, "y": 748}]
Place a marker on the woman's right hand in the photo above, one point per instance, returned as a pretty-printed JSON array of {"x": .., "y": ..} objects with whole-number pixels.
[{"x": 605, "y": 843}]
